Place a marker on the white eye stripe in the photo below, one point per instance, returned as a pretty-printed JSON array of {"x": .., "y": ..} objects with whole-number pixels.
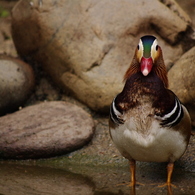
[
  {"x": 154, "y": 44},
  {"x": 141, "y": 45},
  {"x": 153, "y": 49},
  {"x": 140, "y": 50}
]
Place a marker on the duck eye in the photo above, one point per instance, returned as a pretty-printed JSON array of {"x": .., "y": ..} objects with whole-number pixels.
[
  {"x": 138, "y": 47},
  {"x": 156, "y": 47}
]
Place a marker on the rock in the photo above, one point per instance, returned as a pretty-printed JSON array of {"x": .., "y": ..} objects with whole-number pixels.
[
  {"x": 182, "y": 81},
  {"x": 6, "y": 42},
  {"x": 88, "y": 50},
  {"x": 16, "y": 83},
  {"x": 44, "y": 130}
]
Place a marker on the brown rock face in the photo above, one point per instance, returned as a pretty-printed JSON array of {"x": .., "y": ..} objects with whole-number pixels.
[
  {"x": 182, "y": 80},
  {"x": 16, "y": 83},
  {"x": 44, "y": 130},
  {"x": 87, "y": 45}
]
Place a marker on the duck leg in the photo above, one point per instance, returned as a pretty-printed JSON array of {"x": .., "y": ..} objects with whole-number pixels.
[
  {"x": 170, "y": 168},
  {"x": 132, "y": 172}
]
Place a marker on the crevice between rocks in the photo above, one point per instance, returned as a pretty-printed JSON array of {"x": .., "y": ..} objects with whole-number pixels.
[
  {"x": 98, "y": 62},
  {"x": 172, "y": 5}
]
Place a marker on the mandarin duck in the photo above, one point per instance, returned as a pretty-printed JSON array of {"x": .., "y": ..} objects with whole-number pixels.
[{"x": 147, "y": 121}]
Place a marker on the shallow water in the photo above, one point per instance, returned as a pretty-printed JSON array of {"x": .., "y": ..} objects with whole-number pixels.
[{"x": 17, "y": 179}]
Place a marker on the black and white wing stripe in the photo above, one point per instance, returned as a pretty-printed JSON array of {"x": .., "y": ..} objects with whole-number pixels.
[
  {"x": 174, "y": 116},
  {"x": 115, "y": 115}
]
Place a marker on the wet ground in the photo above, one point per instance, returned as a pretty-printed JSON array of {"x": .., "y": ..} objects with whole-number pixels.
[
  {"x": 96, "y": 169},
  {"x": 69, "y": 180}
]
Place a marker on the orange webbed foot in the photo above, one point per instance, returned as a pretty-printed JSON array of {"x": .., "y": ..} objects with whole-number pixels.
[
  {"x": 167, "y": 184},
  {"x": 131, "y": 184}
]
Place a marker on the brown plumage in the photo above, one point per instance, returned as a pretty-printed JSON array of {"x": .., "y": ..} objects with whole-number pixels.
[{"x": 147, "y": 121}]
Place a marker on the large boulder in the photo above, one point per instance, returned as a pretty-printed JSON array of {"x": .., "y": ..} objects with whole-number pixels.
[
  {"x": 182, "y": 80},
  {"x": 44, "y": 130},
  {"x": 16, "y": 83},
  {"x": 87, "y": 45}
]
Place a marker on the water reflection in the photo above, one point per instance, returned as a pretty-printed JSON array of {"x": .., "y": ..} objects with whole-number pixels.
[
  {"x": 169, "y": 190},
  {"x": 34, "y": 180},
  {"x": 23, "y": 180}
]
